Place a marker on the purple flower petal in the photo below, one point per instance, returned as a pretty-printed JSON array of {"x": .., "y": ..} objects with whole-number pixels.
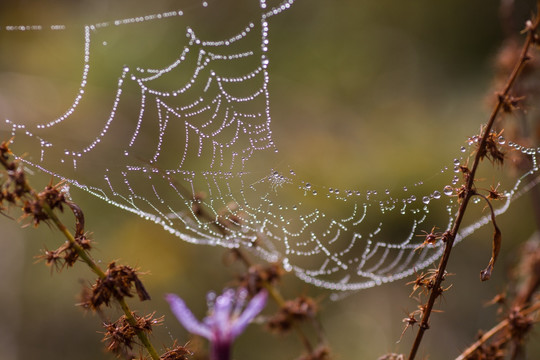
[
  {"x": 222, "y": 314},
  {"x": 254, "y": 307},
  {"x": 224, "y": 323},
  {"x": 186, "y": 317}
]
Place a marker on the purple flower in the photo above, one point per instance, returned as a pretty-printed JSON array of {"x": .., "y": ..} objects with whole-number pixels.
[{"x": 226, "y": 319}]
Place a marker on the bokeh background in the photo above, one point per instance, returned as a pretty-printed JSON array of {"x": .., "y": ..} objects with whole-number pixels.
[{"x": 364, "y": 95}]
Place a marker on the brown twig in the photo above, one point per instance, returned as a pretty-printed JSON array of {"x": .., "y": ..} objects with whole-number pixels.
[
  {"x": 493, "y": 331},
  {"x": 524, "y": 303},
  {"x": 531, "y": 28}
]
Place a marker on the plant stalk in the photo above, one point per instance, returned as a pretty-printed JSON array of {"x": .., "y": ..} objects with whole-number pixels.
[{"x": 469, "y": 190}]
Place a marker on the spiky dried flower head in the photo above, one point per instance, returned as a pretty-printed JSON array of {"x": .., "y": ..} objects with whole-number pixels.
[
  {"x": 491, "y": 149},
  {"x": 293, "y": 311},
  {"x": 178, "y": 352},
  {"x": 66, "y": 255},
  {"x": 520, "y": 325},
  {"x": 430, "y": 238},
  {"x": 426, "y": 281},
  {"x": 257, "y": 276},
  {"x": 117, "y": 283},
  {"x": 121, "y": 335}
]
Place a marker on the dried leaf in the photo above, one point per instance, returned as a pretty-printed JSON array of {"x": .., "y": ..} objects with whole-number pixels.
[
  {"x": 79, "y": 218},
  {"x": 141, "y": 291},
  {"x": 497, "y": 239}
]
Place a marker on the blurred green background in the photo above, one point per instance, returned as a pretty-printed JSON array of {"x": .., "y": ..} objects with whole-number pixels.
[{"x": 364, "y": 94}]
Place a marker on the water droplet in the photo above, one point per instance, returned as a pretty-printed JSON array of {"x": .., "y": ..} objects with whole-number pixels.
[
  {"x": 308, "y": 186},
  {"x": 436, "y": 195},
  {"x": 456, "y": 162},
  {"x": 448, "y": 190},
  {"x": 387, "y": 192},
  {"x": 286, "y": 265},
  {"x": 463, "y": 149},
  {"x": 314, "y": 192},
  {"x": 405, "y": 188},
  {"x": 425, "y": 200},
  {"x": 502, "y": 140}
]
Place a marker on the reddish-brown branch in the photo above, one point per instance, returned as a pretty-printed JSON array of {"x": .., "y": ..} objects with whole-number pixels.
[
  {"x": 469, "y": 186},
  {"x": 495, "y": 330}
]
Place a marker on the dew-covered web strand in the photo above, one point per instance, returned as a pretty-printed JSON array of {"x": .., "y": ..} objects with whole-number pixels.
[{"x": 210, "y": 137}]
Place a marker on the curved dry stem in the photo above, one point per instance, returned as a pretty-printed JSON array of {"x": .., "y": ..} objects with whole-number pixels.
[{"x": 532, "y": 26}]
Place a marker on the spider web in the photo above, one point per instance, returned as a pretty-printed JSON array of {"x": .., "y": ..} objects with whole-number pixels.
[{"x": 193, "y": 156}]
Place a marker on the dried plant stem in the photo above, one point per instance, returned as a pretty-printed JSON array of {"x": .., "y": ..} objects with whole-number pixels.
[
  {"x": 71, "y": 239},
  {"x": 280, "y": 301},
  {"x": 145, "y": 341},
  {"x": 493, "y": 331},
  {"x": 469, "y": 186}
]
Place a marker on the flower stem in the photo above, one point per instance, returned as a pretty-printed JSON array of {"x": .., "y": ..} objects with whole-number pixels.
[{"x": 221, "y": 351}]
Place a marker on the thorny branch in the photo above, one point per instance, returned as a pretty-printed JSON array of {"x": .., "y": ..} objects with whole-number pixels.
[
  {"x": 521, "y": 314},
  {"x": 495, "y": 330},
  {"x": 468, "y": 190}
]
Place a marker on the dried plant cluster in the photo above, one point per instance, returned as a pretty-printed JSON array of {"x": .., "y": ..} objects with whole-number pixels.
[
  {"x": 130, "y": 333},
  {"x": 114, "y": 284}
]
